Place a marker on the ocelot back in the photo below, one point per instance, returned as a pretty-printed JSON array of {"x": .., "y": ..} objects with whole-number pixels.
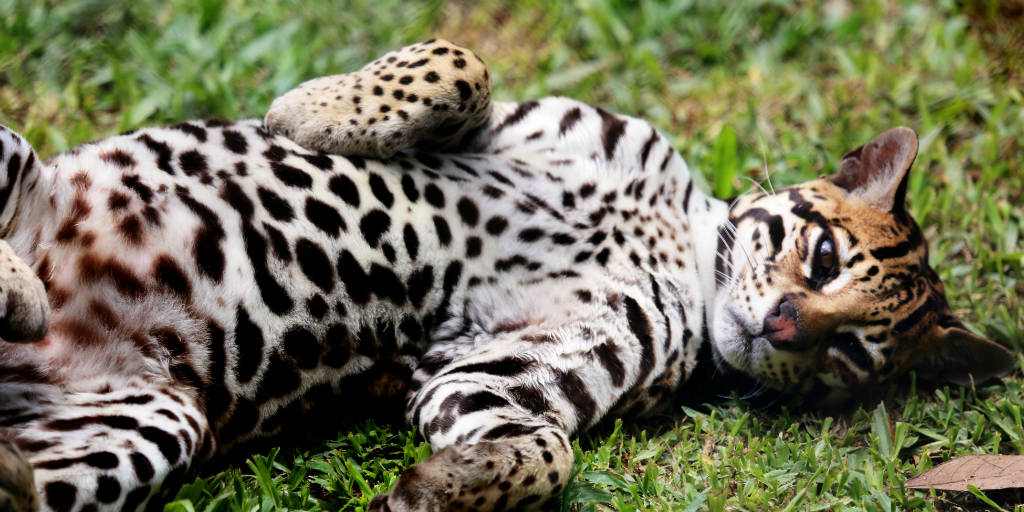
[{"x": 511, "y": 273}]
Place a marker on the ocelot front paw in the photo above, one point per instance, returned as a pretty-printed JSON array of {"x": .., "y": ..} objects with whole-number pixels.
[
  {"x": 428, "y": 95},
  {"x": 485, "y": 476},
  {"x": 24, "y": 307},
  {"x": 17, "y": 487}
]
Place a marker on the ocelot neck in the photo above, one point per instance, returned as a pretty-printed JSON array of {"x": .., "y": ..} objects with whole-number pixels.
[{"x": 708, "y": 219}]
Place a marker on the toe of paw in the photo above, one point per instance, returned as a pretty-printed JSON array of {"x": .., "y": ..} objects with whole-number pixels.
[{"x": 26, "y": 312}]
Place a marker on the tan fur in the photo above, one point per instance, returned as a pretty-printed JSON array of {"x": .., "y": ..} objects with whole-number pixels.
[{"x": 417, "y": 95}]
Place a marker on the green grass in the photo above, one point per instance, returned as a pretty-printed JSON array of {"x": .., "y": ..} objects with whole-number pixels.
[{"x": 741, "y": 87}]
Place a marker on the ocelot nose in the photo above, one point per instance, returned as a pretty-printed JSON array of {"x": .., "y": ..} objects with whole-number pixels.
[{"x": 781, "y": 328}]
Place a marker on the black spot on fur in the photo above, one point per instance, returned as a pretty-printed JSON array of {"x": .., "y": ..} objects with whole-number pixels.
[
  {"x": 496, "y": 225},
  {"x": 412, "y": 241},
  {"x": 444, "y": 234},
  {"x": 386, "y": 284},
  {"x": 279, "y": 243},
  {"x": 409, "y": 187},
  {"x": 420, "y": 283},
  {"x": 520, "y": 113},
  {"x": 473, "y": 247},
  {"x": 531, "y": 234},
  {"x": 324, "y": 217},
  {"x": 338, "y": 351},
  {"x": 207, "y": 250},
  {"x": 373, "y": 225},
  {"x": 196, "y": 131},
  {"x": 507, "y": 367},
  {"x": 235, "y": 142},
  {"x": 234, "y": 196},
  {"x": 108, "y": 489},
  {"x": 354, "y": 278},
  {"x": 283, "y": 376},
  {"x": 60, "y": 496},
  {"x": 141, "y": 189},
  {"x": 569, "y": 120},
  {"x": 468, "y": 211},
  {"x": 301, "y": 345},
  {"x": 315, "y": 265},
  {"x": 167, "y": 443},
  {"x": 193, "y": 163},
  {"x": 380, "y": 191},
  {"x": 316, "y": 306},
  {"x": 612, "y": 129},
  {"x": 248, "y": 344},
  {"x": 277, "y": 207},
  {"x": 429, "y": 160},
  {"x": 291, "y": 176},
  {"x": 163, "y": 153},
  {"x": 142, "y": 466},
  {"x": 344, "y": 188},
  {"x": 465, "y": 91},
  {"x": 433, "y": 195},
  {"x": 274, "y": 295},
  {"x": 169, "y": 274}
]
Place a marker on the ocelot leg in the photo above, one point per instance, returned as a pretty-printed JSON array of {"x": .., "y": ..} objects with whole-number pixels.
[
  {"x": 429, "y": 95},
  {"x": 105, "y": 446},
  {"x": 500, "y": 411}
]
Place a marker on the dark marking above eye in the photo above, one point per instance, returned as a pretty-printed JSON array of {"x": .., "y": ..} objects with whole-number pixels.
[{"x": 857, "y": 258}]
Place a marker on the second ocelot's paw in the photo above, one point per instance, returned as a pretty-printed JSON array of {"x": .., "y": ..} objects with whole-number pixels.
[
  {"x": 428, "y": 95},
  {"x": 17, "y": 487},
  {"x": 483, "y": 477},
  {"x": 24, "y": 307}
]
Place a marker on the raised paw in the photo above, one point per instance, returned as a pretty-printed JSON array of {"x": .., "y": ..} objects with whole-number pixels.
[
  {"x": 427, "y": 95},
  {"x": 485, "y": 476},
  {"x": 24, "y": 307},
  {"x": 17, "y": 487}
]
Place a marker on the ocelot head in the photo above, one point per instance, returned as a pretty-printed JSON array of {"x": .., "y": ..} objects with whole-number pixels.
[{"x": 825, "y": 289}]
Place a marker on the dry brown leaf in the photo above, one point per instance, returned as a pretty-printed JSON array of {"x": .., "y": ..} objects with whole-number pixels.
[{"x": 982, "y": 471}]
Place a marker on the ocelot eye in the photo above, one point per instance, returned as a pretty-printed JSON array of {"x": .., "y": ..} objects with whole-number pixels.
[
  {"x": 825, "y": 266},
  {"x": 826, "y": 254}
]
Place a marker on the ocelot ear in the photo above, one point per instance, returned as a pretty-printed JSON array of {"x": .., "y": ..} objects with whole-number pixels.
[
  {"x": 961, "y": 358},
  {"x": 877, "y": 171}
]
